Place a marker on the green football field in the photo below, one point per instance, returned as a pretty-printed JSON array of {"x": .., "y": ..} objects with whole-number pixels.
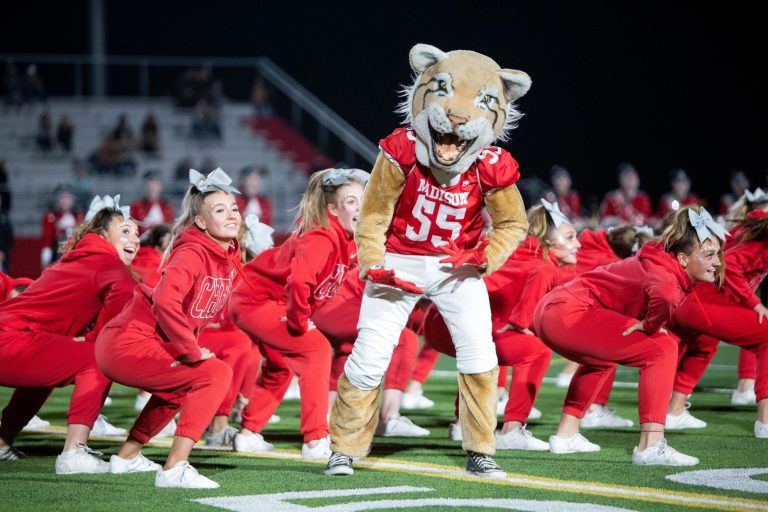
[{"x": 424, "y": 474}]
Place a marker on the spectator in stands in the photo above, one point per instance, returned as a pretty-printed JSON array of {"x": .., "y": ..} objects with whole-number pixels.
[
  {"x": 6, "y": 239},
  {"x": 205, "y": 122},
  {"x": 181, "y": 172},
  {"x": 252, "y": 201},
  {"x": 679, "y": 196},
  {"x": 13, "y": 88},
  {"x": 44, "y": 137},
  {"x": 150, "y": 136},
  {"x": 82, "y": 185},
  {"x": 152, "y": 210},
  {"x": 192, "y": 87},
  {"x": 739, "y": 185},
  {"x": 562, "y": 193},
  {"x": 207, "y": 166},
  {"x": 260, "y": 99},
  {"x": 627, "y": 203},
  {"x": 64, "y": 133},
  {"x": 123, "y": 133},
  {"x": 5, "y": 189},
  {"x": 58, "y": 224},
  {"x": 32, "y": 89}
]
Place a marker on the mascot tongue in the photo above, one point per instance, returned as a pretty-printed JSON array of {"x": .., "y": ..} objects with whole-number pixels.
[{"x": 449, "y": 147}]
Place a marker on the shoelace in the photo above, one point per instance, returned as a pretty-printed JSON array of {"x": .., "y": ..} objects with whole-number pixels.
[
  {"x": 88, "y": 451},
  {"x": 189, "y": 473},
  {"x": 338, "y": 459},
  {"x": 526, "y": 433},
  {"x": 484, "y": 462}
]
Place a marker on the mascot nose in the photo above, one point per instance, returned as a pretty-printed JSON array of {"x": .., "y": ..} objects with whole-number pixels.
[{"x": 457, "y": 121}]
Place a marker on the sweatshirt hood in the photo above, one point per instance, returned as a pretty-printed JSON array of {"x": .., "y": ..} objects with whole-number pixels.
[
  {"x": 194, "y": 237},
  {"x": 594, "y": 241},
  {"x": 90, "y": 245},
  {"x": 654, "y": 253},
  {"x": 531, "y": 249}
]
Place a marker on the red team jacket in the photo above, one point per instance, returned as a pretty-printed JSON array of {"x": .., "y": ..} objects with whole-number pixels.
[
  {"x": 303, "y": 272},
  {"x": 665, "y": 203},
  {"x": 637, "y": 211},
  {"x": 595, "y": 251},
  {"x": 140, "y": 210},
  {"x": 195, "y": 285},
  {"x": 427, "y": 214},
  {"x": 76, "y": 296},
  {"x": 263, "y": 208},
  {"x": 746, "y": 265},
  {"x": 53, "y": 233},
  {"x": 648, "y": 286}
]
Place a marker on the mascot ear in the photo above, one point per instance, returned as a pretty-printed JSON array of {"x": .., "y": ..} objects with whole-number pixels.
[
  {"x": 516, "y": 83},
  {"x": 422, "y": 56}
]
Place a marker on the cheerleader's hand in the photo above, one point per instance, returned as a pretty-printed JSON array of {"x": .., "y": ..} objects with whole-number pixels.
[
  {"x": 205, "y": 354},
  {"x": 637, "y": 327},
  {"x": 761, "y": 311},
  {"x": 458, "y": 257},
  {"x": 512, "y": 327},
  {"x": 381, "y": 275},
  {"x": 79, "y": 339}
]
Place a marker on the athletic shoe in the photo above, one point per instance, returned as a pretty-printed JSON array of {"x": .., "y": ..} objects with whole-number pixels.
[
  {"x": 338, "y": 464},
  {"x": 11, "y": 453},
  {"x": 168, "y": 431},
  {"x": 320, "y": 452},
  {"x": 400, "y": 426},
  {"x": 761, "y": 430},
  {"x": 501, "y": 404},
  {"x": 293, "y": 392},
  {"x": 107, "y": 401},
  {"x": 36, "y": 423},
  {"x": 454, "y": 431},
  {"x": 103, "y": 428},
  {"x": 577, "y": 443},
  {"x": 563, "y": 380},
  {"x": 661, "y": 454},
  {"x": 141, "y": 401},
  {"x": 520, "y": 439},
  {"x": 183, "y": 476},
  {"x": 274, "y": 419},
  {"x": 483, "y": 466},
  {"x": 138, "y": 464},
  {"x": 416, "y": 401},
  {"x": 684, "y": 420},
  {"x": 602, "y": 416},
  {"x": 535, "y": 414},
  {"x": 252, "y": 443},
  {"x": 224, "y": 437},
  {"x": 80, "y": 460},
  {"x": 747, "y": 397}
]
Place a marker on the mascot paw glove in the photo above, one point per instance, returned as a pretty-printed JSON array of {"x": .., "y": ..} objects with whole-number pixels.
[
  {"x": 458, "y": 257},
  {"x": 386, "y": 276}
]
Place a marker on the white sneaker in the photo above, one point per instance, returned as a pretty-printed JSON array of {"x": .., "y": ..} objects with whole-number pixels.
[
  {"x": 501, "y": 405},
  {"x": 141, "y": 401},
  {"x": 684, "y": 420},
  {"x": 168, "y": 431},
  {"x": 400, "y": 426},
  {"x": 454, "y": 431},
  {"x": 293, "y": 392},
  {"x": 577, "y": 443},
  {"x": 36, "y": 423},
  {"x": 661, "y": 454},
  {"x": 761, "y": 430},
  {"x": 103, "y": 428},
  {"x": 520, "y": 439},
  {"x": 107, "y": 401},
  {"x": 535, "y": 414},
  {"x": 563, "y": 380},
  {"x": 10, "y": 453},
  {"x": 602, "y": 416},
  {"x": 183, "y": 476},
  {"x": 320, "y": 452},
  {"x": 80, "y": 460},
  {"x": 252, "y": 443},
  {"x": 274, "y": 419},
  {"x": 138, "y": 464},
  {"x": 416, "y": 401},
  {"x": 224, "y": 437},
  {"x": 747, "y": 397}
]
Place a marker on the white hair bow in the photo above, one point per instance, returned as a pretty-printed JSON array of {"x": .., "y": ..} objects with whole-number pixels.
[
  {"x": 705, "y": 225},
  {"x": 215, "y": 179},
  {"x": 98, "y": 203},
  {"x": 259, "y": 235},
  {"x": 758, "y": 196},
  {"x": 553, "y": 209},
  {"x": 338, "y": 177},
  {"x": 648, "y": 230}
]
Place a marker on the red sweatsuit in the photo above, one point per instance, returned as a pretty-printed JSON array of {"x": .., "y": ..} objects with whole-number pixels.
[
  {"x": 160, "y": 326},
  {"x": 281, "y": 289},
  {"x": 74, "y": 297},
  {"x": 146, "y": 264},
  {"x": 584, "y": 321},
  {"x": 8, "y": 283}
]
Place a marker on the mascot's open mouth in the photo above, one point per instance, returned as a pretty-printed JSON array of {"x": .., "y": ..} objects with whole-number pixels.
[{"x": 448, "y": 148}]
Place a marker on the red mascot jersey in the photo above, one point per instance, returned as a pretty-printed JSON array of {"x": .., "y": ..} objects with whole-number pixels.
[{"x": 427, "y": 214}]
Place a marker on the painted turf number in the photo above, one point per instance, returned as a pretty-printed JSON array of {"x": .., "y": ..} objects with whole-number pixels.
[
  {"x": 735, "y": 479},
  {"x": 425, "y": 206}
]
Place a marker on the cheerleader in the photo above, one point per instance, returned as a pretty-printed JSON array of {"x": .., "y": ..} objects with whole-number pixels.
[
  {"x": 47, "y": 333},
  {"x": 606, "y": 304},
  {"x": 152, "y": 344},
  {"x": 281, "y": 289}
]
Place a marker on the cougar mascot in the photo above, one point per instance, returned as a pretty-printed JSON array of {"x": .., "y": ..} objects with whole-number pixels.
[{"x": 419, "y": 233}]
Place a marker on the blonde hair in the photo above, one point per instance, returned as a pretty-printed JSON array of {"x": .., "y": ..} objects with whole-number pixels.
[
  {"x": 313, "y": 208},
  {"x": 738, "y": 211},
  {"x": 752, "y": 228},
  {"x": 191, "y": 207},
  {"x": 624, "y": 240},
  {"x": 680, "y": 237},
  {"x": 98, "y": 225},
  {"x": 541, "y": 226}
]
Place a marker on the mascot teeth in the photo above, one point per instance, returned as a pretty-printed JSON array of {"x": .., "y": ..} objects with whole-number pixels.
[{"x": 448, "y": 147}]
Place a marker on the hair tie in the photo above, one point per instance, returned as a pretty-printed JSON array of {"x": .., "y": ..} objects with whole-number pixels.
[
  {"x": 705, "y": 225},
  {"x": 215, "y": 179},
  {"x": 553, "y": 209}
]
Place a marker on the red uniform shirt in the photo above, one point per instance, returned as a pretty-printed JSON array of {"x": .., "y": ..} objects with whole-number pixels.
[
  {"x": 570, "y": 203},
  {"x": 746, "y": 265},
  {"x": 147, "y": 265},
  {"x": 427, "y": 214},
  {"x": 141, "y": 208},
  {"x": 648, "y": 286},
  {"x": 637, "y": 211},
  {"x": 75, "y": 296},
  {"x": 666, "y": 204},
  {"x": 594, "y": 251},
  {"x": 304, "y": 272},
  {"x": 58, "y": 227},
  {"x": 259, "y": 205}
]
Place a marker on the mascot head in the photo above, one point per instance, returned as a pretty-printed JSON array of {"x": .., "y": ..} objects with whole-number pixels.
[{"x": 460, "y": 102}]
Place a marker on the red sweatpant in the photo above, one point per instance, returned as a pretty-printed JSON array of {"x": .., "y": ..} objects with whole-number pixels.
[
  {"x": 307, "y": 355},
  {"x": 234, "y": 348},
  {"x": 35, "y": 363},
  {"x": 708, "y": 311},
  {"x": 132, "y": 354},
  {"x": 251, "y": 370},
  {"x": 747, "y": 364},
  {"x": 526, "y": 354},
  {"x": 425, "y": 362},
  {"x": 592, "y": 336}
]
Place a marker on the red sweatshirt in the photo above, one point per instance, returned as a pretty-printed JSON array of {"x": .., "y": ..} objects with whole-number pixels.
[
  {"x": 194, "y": 286},
  {"x": 8, "y": 283},
  {"x": 648, "y": 286},
  {"x": 746, "y": 265},
  {"x": 515, "y": 289},
  {"x": 147, "y": 265},
  {"x": 75, "y": 296},
  {"x": 304, "y": 272},
  {"x": 595, "y": 251}
]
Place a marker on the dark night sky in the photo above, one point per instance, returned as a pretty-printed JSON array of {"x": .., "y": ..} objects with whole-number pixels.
[{"x": 673, "y": 86}]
